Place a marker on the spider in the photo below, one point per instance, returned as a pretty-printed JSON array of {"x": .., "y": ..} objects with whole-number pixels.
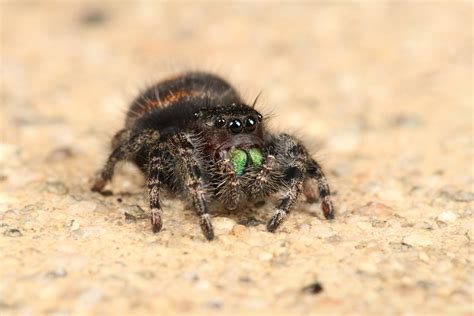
[{"x": 192, "y": 135}]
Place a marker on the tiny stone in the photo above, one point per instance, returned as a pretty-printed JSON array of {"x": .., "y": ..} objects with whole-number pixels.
[
  {"x": 405, "y": 120},
  {"x": 74, "y": 225},
  {"x": 424, "y": 257},
  {"x": 250, "y": 222},
  {"x": 203, "y": 285},
  {"x": 238, "y": 229},
  {"x": 12, "y": 232},
  {"x": 265, "y": 256},
  {"x": 334, "y": 239},
  {"x": 88, "y": 298},
  {"x": 133, "y": 212},
  {"x": 215, "y": 303},
  {"x": 313, "y": 288},
  {"x": 92, "y": 16},
  {"x": 223, "y": 223},
  {"x": 368, "y": 267},
  {"x": 56, "y": 187},
  {"x": 364, "y": 225},
  {"x": 447, "y": 217},
  {"x": 375, "y": 209},
  {"x": 59, "y": 154},
  {"x": 323, "y": 231},
  {"x": 458, "y": 196},
  {"x": 469, "y": 234},
  {"x": 57, "y": 273},
  {"x": 422, "y": 239}
]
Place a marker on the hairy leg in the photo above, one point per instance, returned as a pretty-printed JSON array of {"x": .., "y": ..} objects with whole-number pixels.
[
  {"x": 155, "y": 170},
  {"x": 292, "y": 167},
  {"x": 315, "y": 171},
  {"x": 189, "y": 167},
  {"x": 126, "y": 148}
]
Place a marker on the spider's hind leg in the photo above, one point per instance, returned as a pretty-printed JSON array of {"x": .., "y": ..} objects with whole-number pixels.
[{"x": 315, "y": 171}]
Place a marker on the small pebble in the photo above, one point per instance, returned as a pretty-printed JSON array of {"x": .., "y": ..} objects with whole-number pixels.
[
  {"x": 12, "y": 232},
  {"x": 223, "y": 223},
  {"x": 56, "y": 187},
  {"x": 215, "y": 304},
  {"x": 59, "y": 154},
  {"x": 57, "y": 273},
  {"x": 364, "y": 225},
  {"x": 424, "y": 257},
  {"x": 88, "y": 298},
  {"x": 265, "y": 256},
  {"x": 74, "y": 225},
  {"x": 334, "y": 239},
  {"x": 313, "y": 288},
  {"x": 323, "y": 231},
  {"x": 133, "y": 213},
  {"x": 447, "y": 217},
  {"x": 405, "y": 120},
  {"x": 93, "y": 16},
  {"x": 238, "y": 230},
  {"x": 458, "y": 196},
  {"x": 250, "y": 222},
  {"x": 421, "y": 238},
  {"x": 375, "y": 209}
]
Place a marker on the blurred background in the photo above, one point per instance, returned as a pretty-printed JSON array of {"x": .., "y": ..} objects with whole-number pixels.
[{"x": 380, "y": 91}]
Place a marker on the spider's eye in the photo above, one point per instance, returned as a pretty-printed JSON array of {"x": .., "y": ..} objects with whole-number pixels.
[
  {"x": 235, "y": 126},
  {"x": 250, "y": 124},
  {"x": 259, "y": 117},
  {"x": 220, "y": 122}
]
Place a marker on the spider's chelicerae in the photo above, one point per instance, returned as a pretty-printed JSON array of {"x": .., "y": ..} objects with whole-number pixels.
[{"x": 193, "y": 135}]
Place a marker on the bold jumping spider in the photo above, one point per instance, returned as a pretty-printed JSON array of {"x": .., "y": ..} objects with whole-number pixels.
[{"x": 193, "y": 135}]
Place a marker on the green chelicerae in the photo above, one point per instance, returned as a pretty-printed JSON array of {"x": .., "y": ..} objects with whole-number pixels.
[
  {"x": 239, "y": 159},
  {"x": 256, "y": 157}
]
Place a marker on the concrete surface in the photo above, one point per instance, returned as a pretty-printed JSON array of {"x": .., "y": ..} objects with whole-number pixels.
[{"x": 382, "y": 93}]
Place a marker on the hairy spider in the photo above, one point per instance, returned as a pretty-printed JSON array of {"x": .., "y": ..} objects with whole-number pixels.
[{"x": 193, "y": 135}]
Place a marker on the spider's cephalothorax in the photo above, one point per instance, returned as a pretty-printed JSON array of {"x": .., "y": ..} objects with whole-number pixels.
[{"x": 193, "y": 135}]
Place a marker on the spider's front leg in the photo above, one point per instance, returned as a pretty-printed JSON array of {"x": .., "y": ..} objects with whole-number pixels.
[
  {"x": 292, "y": 160},
  {"x": 189, "y": 168},
  {"x": 125, "y": 148},
  {"x": 297, "y": 167},
  {"x": 155, "y": 169}
]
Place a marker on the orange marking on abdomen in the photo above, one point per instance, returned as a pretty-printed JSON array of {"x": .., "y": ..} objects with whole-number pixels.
[{"x": 168, "y": 99}]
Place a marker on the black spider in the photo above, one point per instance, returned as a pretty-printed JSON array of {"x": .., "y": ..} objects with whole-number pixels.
[{"x": 193, "y": 135}]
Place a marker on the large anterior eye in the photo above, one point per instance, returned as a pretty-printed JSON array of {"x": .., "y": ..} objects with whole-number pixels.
[
  {"x": 250, "y": 124},
  {"x": 235, "y": 126},
  {"x": 220, "y": 122}
]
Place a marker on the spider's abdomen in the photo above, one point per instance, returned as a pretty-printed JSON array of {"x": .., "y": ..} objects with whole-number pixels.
[{"x": 172, "y": 102}]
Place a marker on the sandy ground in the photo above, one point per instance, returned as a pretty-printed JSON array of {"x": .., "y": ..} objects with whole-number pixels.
[{"x": 382, "y": 93}]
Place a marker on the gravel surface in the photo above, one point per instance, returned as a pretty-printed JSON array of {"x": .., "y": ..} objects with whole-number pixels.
[{"x": 382, "y": 93}]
